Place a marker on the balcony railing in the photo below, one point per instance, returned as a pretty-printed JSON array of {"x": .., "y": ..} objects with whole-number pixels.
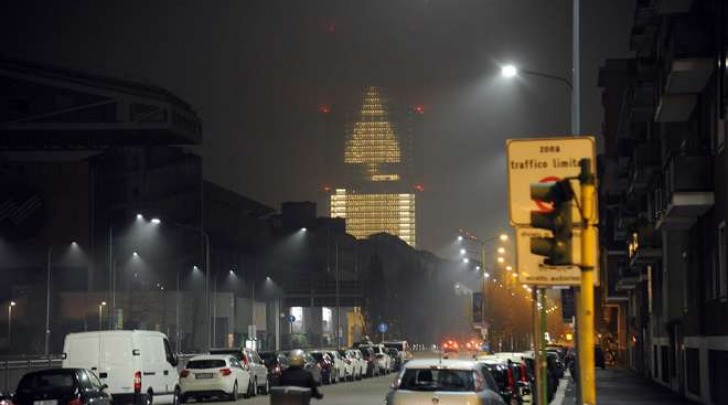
[
  {"x": 645, "y": 246},
  {"x": 685, "y": 65},
  {"x": 686, "y": 192},
  {"x": 645, "y": 162},
  {"x": 629, "y": 277}
]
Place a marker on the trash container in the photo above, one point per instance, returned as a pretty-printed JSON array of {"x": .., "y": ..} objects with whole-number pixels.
[{"x": 290, "y": 396}]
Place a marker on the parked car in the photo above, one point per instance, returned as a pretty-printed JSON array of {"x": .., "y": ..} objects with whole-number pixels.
[
  {"x": 403, "y": 348},
  {"x": 337, "y": 365},
  {"x": 349, "y": 363},
  {"x": 504, "y": 379},
  {"x": 382, "y": 358},
  {"x": 358, "y": 363},
  {"x": 324, "y": 362},
  {"x": 276, "y": 363},
  {"x": 138, "y": 366},
  {"x": 370, "y": 359},
  {"x": 252, "y": 362},
  {"x": 76, "y": 386},
  {"x": 396, "y": 359},
  {"x": 214, "y": 375},
  {"x": 6, "y": 398},
  {"x": 434, "y": 380},
  {"x": 310, "y": 365}
]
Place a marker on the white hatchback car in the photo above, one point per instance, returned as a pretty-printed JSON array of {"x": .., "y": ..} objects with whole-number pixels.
[
  {"x": 445, "y": 382},
  {"x": 213, "y": 375},
  {"x": 360, "y": 365}
]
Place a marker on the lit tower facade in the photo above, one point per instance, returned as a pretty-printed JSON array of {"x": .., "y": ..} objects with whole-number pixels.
[{"x": 378, "y": 197}]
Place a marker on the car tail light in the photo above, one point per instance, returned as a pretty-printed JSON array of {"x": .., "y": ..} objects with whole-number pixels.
[
  {"x": 137, "y": 382},
  {"x": 75, "y": 401},
  {"x": 184, "y": 373},
  {"x": 225, "y": 371}
]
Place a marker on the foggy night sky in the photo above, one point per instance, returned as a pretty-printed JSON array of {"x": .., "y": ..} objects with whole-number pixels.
[{"x": 256, "y": 71}]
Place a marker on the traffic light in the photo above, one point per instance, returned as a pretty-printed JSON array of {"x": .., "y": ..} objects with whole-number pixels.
[{"x": 557, "y": 249}]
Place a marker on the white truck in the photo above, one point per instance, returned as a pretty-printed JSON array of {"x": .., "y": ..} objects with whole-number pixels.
[{"x": 138, "y": 366}]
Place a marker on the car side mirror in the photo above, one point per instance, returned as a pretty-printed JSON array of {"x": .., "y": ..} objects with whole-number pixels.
[{"x": 173, "y": 361}]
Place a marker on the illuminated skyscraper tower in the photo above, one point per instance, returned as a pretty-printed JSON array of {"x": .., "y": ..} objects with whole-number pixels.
[{"x": 378, "y": 197}]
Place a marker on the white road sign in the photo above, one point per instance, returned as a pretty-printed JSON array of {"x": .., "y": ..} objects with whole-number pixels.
[
  {"x": 531, "y": 269},
  {"x": 542, "y": 160}
]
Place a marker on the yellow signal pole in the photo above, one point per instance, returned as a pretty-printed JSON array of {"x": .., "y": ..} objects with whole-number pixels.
[{"x": 586, "y": 301}]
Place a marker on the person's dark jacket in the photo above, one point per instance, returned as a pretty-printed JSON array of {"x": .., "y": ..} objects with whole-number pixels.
[{"x": 298, "y": 377}]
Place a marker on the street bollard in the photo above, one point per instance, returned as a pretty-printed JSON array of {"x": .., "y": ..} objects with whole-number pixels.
[{"x": 290, "y": 396}]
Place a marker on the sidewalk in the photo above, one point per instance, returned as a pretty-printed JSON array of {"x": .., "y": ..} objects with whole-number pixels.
[{"x": 621, "y": 386}]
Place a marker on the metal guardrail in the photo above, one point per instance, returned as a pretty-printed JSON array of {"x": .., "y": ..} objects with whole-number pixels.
[{"x": 12, "y": 370}]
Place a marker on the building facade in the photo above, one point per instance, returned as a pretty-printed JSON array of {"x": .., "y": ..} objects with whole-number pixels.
[
  {"x": 664, "y": 198},
  {"x": 379, "y": 196}
]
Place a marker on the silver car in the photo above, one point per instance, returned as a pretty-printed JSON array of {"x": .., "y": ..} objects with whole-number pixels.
[{"x": 443, "y": 382}]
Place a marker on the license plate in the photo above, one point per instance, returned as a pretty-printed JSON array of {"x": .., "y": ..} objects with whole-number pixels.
[
  {"x": 200, "y": 376},
  {"x": 46, "y": 402}
]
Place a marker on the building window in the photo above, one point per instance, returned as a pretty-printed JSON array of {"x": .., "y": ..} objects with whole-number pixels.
[{"x": 721, "y": 274}]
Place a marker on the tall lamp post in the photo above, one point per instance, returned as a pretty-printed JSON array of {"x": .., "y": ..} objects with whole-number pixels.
[
  {"x": 484, "y": 275},
  {"x": 587, "y": 390},
  {"x": 10, "y": 323},
  {"x": 206, "y": 240},
  {"x": 101, "y": 307}
]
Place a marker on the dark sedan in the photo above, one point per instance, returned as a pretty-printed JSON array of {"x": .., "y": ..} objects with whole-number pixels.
[
  {"x": 276, "y": 363},
  {"x": 63, "y": 386}
]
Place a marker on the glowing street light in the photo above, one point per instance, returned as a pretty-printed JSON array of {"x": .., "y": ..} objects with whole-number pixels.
[
  {"x": 501, "y": 260},
  {"x": 503, "y": 237},
  {"x": 501, "y": 250},
  {"x": 509, "y": 71},
  {"x": 466, "y": 260},
  {"x": 156, "y": 221},
  {"x": 463, "y": 251}
]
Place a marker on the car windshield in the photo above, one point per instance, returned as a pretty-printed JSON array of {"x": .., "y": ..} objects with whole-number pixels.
[
  {"x": 46, "y": 381},
  {"x": 437, "y": 380},
  {"x": 208, "y": 363}
]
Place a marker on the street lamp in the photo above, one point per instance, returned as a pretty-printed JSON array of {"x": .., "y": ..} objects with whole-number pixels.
[
  {"x": 101, "y": 306},
  {"x": 49, "y": 255},
  {"x": 10, "y": 324}
]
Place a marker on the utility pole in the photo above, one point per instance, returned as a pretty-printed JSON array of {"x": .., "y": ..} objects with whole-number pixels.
[{"x": 585, "y": 332}]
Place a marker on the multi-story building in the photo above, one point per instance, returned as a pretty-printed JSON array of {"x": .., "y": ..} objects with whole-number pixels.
[
  {"x": 379, "y": 196},
  {"x": 664, "y": 197}
]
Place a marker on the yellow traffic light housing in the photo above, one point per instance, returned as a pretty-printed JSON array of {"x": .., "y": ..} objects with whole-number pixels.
[{"x": 557, "y": 249}]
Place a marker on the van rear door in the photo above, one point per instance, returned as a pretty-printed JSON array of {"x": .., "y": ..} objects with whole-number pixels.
[
  {"x": 117, "y": 363},
  {"x": 153, "y": 360}
]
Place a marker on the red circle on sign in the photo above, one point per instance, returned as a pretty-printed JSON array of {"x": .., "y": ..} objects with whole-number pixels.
[{"x": 542, "y": 206}]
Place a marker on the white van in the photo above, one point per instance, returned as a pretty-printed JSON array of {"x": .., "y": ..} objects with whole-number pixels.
[{"x": 138, "y": 365}]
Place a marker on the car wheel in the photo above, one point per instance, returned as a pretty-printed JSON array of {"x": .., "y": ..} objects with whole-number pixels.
[
  {"x": 176, "y": 397},
  {"x": 249, "y": 391},
  {"x": 234, "y": 395},
  {"x": 254, "y": 391},
  {"x": 265, "y": 390},
  {"x": 149, "y": 400}
]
